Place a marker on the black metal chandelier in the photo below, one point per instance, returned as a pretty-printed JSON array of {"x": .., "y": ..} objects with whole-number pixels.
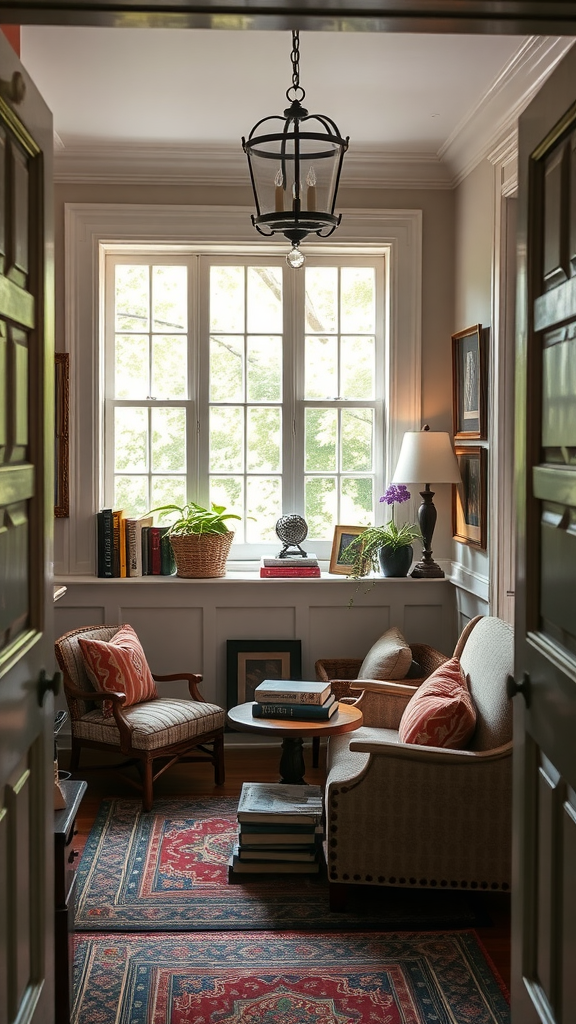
[{"x": 295, "y": 174}]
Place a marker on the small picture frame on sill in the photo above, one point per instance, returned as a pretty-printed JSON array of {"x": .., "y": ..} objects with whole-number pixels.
[
  {"x": 469, "y": 384},
  {"x": 469, "y": 508},
  {"x": 249, "y": 662},
  {"x": 343, "y": 536}
]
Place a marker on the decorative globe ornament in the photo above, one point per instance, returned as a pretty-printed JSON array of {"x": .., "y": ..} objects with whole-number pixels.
[{"x": 291, "y": 530}]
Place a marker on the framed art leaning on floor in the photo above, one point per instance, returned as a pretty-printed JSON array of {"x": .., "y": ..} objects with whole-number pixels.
[{"x": 249, "y": 662}]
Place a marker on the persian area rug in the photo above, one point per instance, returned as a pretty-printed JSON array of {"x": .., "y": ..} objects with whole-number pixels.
[
  {"x": 167, "y": 870},
  {"x": 293, "y": 978}
]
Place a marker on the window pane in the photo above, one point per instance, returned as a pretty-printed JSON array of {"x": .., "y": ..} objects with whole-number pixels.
[
  {"x": 320, "y": 507},
  {"x": 131, "y": 440},
  {"x": 264, "y": 440},
  {"x": 357, "y": 367},
  {"x": 264, "y": 299},
  {"x": 131, "y": 366},
  {"x": 226, "y": 369},
  {"x": 169, "y": 367},
  {"x": 321, "y": 432},
  {"x": 226, "y": 440},
  {"x": 264, "y": 362},
  {"x": 168, "y": 440},
  {"x": 227, "y": 299},
  {"x": 321, "y": 368},
  {"x": 321, "y": 300},
  {"x": 357, "y": 501},
  {"x": 357, "y": 300},
  {"x": 357, "y": 434},
  {"x": 131, "y": 494},
  {"x": 168, "y": 490},
  {"x": 264, "y": 503},
  {"x": 169, "y": 299},
  {"x": 229, "y": 492},
  {"x": 132, "y": 298}
]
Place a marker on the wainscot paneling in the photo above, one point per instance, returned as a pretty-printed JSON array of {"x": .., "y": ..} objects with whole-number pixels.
[{"x": 184, "y": 624}]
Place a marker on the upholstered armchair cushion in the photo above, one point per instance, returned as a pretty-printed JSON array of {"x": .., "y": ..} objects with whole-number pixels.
[
  {"x": 159, "y": 723},
  {"x": 119, "y": 666},
  {"x": 441, "y": 712},
  {"x": 389, "y": 658}
]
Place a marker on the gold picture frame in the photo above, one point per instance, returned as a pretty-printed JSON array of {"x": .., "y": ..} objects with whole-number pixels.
[
  {"x": 62, "y": 435},
  {"x": 343, "y": 535},
  {"x": 469, "y": 384},
  {"x": 469, "y": 508}
]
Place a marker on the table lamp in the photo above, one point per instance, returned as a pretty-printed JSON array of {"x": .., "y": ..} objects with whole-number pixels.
[{"x": 426, "y": 455}]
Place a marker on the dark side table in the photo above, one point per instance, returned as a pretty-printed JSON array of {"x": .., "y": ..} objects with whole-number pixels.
[{"x": 64, "y": 885}]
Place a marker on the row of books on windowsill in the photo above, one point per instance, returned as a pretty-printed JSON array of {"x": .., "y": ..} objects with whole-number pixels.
[
  {"x": 289, "y": 698},
  {"x": 128, "y": 546},
  {"x": 290, "y": 567},
  {"x": 279, "y": 830}
]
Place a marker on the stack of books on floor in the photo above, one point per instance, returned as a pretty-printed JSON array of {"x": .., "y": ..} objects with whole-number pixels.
[
  {"x": 290, "y": 698},
  {"x": 279, "y": 830},
  {"x": 293, "y": 566}
]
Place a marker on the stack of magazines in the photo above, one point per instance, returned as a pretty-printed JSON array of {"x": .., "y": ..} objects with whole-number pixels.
[
  {"x": 289, "y": 698},
  {"x": 279, "y": 829}
]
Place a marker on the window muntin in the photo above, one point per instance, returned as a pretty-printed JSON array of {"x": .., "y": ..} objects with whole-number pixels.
[{"x": 239, "y": 381}]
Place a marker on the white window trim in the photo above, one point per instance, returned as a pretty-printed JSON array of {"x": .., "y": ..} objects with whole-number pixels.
[{"x": 91, "y": 228}]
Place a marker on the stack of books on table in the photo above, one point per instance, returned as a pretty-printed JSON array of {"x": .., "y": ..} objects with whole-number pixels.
[
  {"x": 293, "y": 566},
  {"x": 289, "y": 698},
  {"x": 279, "y": 829}
]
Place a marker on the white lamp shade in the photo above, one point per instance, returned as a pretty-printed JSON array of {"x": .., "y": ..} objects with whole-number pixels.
[{"x": 426, "y": 456}]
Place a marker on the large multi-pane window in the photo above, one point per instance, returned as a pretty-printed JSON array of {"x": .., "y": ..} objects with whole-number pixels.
[{"x": 240, "y": 381}]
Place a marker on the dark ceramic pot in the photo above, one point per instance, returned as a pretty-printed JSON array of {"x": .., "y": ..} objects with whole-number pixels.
[{"x": 395, "y": 563}]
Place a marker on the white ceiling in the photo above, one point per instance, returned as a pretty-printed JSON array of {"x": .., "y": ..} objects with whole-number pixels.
[{"x": 402, "y": 93}]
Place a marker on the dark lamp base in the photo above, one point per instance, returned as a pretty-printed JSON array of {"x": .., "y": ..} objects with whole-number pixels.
[{"x": 427, "y": 571}]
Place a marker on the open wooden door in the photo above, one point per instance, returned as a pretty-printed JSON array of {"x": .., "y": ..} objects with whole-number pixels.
[
  {"x": 544, "y": 901},
  {"x": 26, "y": 518}
]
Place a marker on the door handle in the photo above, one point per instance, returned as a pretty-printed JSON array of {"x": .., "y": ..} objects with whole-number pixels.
[
  {"x": 14, "y": 90},
  {"x": 45, "y": 684},
  {"x": 514, "y": 688}
]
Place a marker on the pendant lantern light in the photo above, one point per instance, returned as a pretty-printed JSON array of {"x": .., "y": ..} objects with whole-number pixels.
[{"x": 295, "y": 162}]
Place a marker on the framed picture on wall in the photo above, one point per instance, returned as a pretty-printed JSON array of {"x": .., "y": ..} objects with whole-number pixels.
[
  {"x": 249, "y": 662},
  {"x": 343, "y": 535},
  {"x": 469, "y": 384},
  {"x": 469, "y": 498}
]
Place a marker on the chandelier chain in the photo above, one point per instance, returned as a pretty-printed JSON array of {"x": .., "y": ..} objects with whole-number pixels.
[{"x": 295, "y": 58}]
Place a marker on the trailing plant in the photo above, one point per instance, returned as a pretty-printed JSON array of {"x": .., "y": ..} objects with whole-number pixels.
[
  {"x": 362, "y": 553},
  {"x": 195, "y": 519}
]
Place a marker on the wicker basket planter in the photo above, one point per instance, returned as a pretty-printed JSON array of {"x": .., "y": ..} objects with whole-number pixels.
[{"x": 201, "y": 555}]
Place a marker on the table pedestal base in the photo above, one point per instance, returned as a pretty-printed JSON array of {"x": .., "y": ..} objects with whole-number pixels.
[{"x": 292, "y": 766}]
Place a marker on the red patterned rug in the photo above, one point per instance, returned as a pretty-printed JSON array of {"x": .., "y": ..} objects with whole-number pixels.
[
  {"x": 306, "y": 978},
  {"x": 167, "y": 871}
]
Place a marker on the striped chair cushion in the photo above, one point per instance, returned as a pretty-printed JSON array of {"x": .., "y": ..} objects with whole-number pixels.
[
  {"x": 160, "y": 723},
  {"x": 441, "y": 713},
  {"x": 119, "y": 666}
]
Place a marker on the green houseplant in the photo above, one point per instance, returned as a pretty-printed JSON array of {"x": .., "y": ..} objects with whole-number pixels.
[
  {"x": 387, "y": 548},
  {"x": 200, "y": 538}
]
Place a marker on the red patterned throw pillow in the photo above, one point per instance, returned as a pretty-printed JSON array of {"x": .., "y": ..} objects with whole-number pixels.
[
  {"x": 441, "y": 713},
  {"x": 119, "y": 666}
]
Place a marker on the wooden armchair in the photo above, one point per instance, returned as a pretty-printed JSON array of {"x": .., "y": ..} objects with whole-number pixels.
[{"x": 165, "y": 729}]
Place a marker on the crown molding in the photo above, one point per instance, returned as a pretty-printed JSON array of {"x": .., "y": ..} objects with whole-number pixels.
[
  {"x": 225, "y": 165},
  {"x": 497, "y": 112}
]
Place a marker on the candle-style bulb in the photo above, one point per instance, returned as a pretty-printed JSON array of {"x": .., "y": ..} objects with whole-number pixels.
[
  {"x": 311, "y": 189},
  {"x": 279, "y": 191}
]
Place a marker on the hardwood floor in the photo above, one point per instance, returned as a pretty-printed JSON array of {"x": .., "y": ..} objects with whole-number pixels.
[{"x": 260, "y": 764}]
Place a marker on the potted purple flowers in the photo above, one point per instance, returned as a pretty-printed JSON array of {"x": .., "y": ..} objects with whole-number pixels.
[{"x": 387, "y": 548}]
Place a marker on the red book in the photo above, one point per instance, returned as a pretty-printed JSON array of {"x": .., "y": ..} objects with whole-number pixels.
[
  {"x": 289, "y": 571},
  {"x": 155, "y": 563}
]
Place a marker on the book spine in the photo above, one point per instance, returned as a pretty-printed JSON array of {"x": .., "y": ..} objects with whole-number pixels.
[
  {"x": 290, "y": 697},
  {"x": 145, "y": 549},
  {"x": 167, "y": 560},
  {"x": 105, "y": 543},
  {"x": 117, "y": 519},
  {"x": 305, "y": 712},
  {"x": 289, "y": 572},
  {"x": 123, "y": 564},
  {"x": 155, "y": 564},
  {"x": 290, "y": 563},
  {"x": 131, "y": 549}
]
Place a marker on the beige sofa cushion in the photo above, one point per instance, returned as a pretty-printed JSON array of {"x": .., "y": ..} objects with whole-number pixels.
[{"x": 389, "y": 658}]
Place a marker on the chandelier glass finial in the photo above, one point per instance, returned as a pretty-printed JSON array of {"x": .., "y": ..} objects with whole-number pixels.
[{"x": 295, "y": 161}]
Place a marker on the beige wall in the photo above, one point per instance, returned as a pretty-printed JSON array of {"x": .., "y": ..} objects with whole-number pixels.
[{"x": 437, "y": 206}]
